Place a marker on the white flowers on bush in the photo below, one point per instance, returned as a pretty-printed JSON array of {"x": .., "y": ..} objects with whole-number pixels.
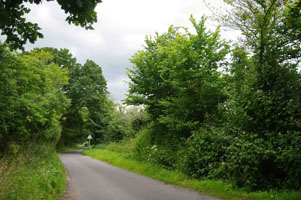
[{"x": 154, "y": 148}]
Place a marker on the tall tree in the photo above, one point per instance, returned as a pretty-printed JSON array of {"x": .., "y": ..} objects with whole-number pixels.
[
  {"x": 272, "y": 88},
  {"x": 176, "y": 76},
  {"x": 87, "y": 113}
]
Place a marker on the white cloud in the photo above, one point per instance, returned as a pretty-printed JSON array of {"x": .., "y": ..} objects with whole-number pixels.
[{"x": 118, "y": 87}]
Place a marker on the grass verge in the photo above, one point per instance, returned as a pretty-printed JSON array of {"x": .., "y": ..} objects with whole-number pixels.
[
  {"x": 32, "y": 174},
  {"x": 211, "y": 187}
]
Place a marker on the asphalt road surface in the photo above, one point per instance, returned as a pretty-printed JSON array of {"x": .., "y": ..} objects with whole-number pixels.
[{"x": 95, "y": 180}]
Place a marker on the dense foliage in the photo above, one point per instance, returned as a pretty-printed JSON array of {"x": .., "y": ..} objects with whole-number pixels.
[
  {"x": 123, "y": 123},
  {"x": 47, "y": 97},
  {"x": 206, "y": 108},
  {"x": 90, "y": 109},
  {"x": 241, "y": 124},
  {"x": 263, "y": 113},
  {"x": 18, "y": 31},
  {"x": 177, "y": 78},
  {"x": 31, "y": 100}
]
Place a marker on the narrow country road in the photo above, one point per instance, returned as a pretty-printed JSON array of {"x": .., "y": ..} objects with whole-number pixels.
[{"x": 95, "y": 180}]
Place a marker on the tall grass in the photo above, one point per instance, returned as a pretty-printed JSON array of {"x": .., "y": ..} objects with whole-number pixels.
[
  {"x": 35, "y": 173},
  {"x": 124, "y": 146}
]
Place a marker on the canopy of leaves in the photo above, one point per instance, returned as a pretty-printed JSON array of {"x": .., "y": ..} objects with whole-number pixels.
[
  {"x": 176, "y": 77},
  {"x": 18, "y": 30},
  {"x": 88, "y": 94},
  {"x": 269, "y": 96},
  {"x": 31, "y": 100},
  {"x": 46, "y": 96}
]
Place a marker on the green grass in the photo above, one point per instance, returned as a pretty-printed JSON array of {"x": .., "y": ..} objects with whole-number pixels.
[
  {"x": 32, "y": 175},
  {"x": 211, "y": 187},
  {"x": 124, "y": 147}
]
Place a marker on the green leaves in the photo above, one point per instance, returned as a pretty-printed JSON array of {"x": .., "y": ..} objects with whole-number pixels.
[
  {"x": 88, "y": 93},
  {"x": 176, "y": 76},
  {"x": 31, "y": 102},
  {"x": 18, "y": 31},
  {"x": 45, "y": 92},
  {"x": 242, "y": 125}
]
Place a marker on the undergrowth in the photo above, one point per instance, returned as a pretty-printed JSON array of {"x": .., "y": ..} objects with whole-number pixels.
[{"x": 31, "y": 174}]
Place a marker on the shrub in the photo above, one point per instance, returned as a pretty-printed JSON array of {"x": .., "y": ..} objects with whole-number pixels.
[
  {"x": 288, "y": 159},
  {"x": 243, "y": 158},
  {"x": 246, "y": 159},
  {"x": 143, "y": 144},
  {"x": 204, "y": 154}
]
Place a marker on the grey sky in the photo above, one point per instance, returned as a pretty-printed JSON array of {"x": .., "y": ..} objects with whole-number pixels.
[{"x": 120, "y": 32}]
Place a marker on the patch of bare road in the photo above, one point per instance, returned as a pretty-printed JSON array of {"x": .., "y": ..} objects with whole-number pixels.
[{"x": 94, "y": 180}]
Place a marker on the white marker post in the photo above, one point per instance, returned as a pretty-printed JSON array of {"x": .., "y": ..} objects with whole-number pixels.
[{"x": 89, "y": 138}]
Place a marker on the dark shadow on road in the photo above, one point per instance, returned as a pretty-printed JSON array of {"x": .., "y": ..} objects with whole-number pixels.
[{"x": 79, "y": 151}]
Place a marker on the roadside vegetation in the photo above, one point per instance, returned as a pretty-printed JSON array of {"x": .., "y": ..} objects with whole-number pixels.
[
  {"x": 215, "y": 110},
  {"x": 32, "y": 173},
  {"x": 201, "y": 112},
  {"x": 48, "y": 103},
  {"x": 120, "y": 155}
]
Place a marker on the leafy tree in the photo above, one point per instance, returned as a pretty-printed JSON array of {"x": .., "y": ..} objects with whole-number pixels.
[
  {"x": 124, "y": 122},
  {"x": 136, "y": 118},
  {"x": 62, "y": 57},
  {"x": 117, "y": 128},
  {"x": 243, "y": 125},
  {"x": 90, "y": 109},
  {"x": 176, "y": 77},
  {"x": 87, "y": 113},
  {"x": 65, "y": 60},
  {"x": 18, "y": 30},
  {"x": 270, "y": 99},
  {"x": 31, "y": 100}
]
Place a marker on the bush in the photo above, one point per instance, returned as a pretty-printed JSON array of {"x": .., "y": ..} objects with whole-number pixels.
[
  {"x": 288, "y": 159},
  {"x": 243, "y": 158},
  {"x": 261, "y": 163},
  {"x": 143, "y": 144},
  {"x": 204, "y": 154}
]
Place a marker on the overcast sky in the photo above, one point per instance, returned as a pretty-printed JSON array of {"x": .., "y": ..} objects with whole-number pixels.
[{"x": 119, "y": 33}]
